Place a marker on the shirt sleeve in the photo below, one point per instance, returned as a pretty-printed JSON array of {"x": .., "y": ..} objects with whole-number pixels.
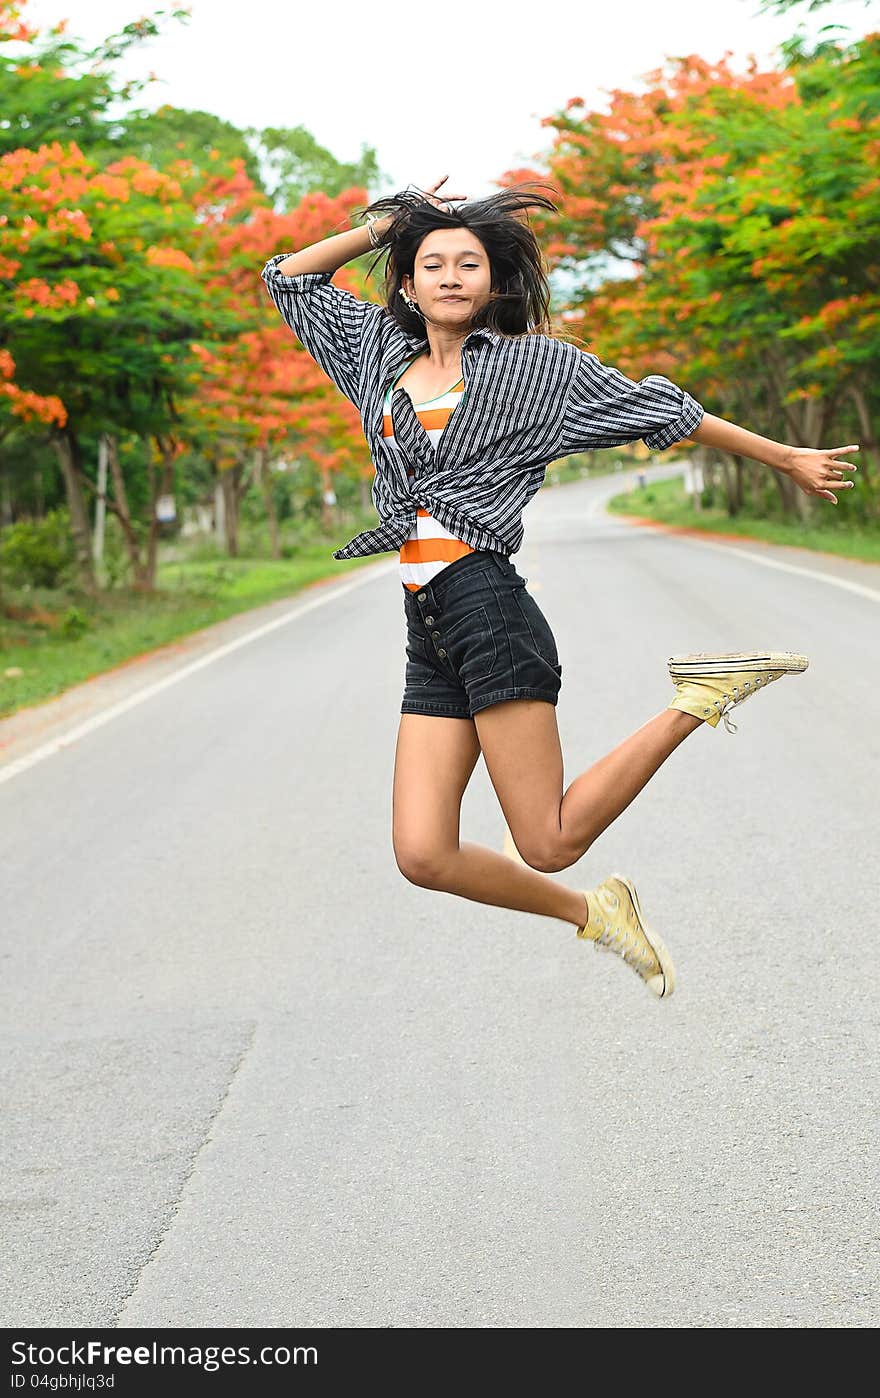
[
  {"x": 606, "y": 409},
  {"x": 328, "y": 321}
]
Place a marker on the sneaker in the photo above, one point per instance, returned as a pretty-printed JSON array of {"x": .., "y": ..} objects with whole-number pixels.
[
  {"x": 708, "y": 686},
  {"x": 615, "y": 923}
]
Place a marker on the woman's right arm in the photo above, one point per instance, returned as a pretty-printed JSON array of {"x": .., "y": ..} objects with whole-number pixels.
[
  {"x": 330, "y": 254},
  {"x": 328, "y": 321}
]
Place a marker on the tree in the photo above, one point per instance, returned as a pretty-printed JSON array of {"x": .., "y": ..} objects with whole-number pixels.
[
  {"x": 130, "y": 288},
  {"x": 296, "y": 165},
  {"x": 45, "y": 98},
  {"x": 743, "y": 211}
]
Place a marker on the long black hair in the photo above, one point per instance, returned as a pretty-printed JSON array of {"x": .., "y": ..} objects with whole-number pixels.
[{"x": 519, "y": 301}]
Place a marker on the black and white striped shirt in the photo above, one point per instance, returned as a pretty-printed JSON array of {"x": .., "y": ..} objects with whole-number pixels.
[{"x": 529, "y": 399}]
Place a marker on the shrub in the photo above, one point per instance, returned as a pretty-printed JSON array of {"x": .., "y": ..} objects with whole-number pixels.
[
  {"x": 74, "y": 623},
  {"x": 38, "y": 552}
]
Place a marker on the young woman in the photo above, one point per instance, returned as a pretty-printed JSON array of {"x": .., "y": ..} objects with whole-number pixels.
[{"x": 465, "y": 396}]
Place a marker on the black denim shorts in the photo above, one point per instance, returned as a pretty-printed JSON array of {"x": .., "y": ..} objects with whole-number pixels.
[{"x": 475, "y": 636}]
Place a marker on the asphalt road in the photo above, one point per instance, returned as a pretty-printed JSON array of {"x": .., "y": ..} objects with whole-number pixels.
[{"x": 251, "y": 1076}]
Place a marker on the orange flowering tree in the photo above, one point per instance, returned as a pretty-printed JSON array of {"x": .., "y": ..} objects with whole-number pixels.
[
  {"x": 742, "y": 215},
  {"x": 133, "y": 308},
  {"x": 101, "y": 303},
  {"x": 260, "y": 394}
]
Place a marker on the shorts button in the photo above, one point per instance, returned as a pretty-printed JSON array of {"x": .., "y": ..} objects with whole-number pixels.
[
  {"x": 441, "y": 653},
  {"x": 429, "y": 621},
  {"x": 422, "y": 596}
]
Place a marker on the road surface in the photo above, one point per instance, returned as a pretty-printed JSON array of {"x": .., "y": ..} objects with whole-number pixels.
[{"x": 251, "y": 1076}]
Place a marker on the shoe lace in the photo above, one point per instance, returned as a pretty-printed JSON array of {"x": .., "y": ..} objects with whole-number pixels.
[
  {"x": 740, "y": 694},
  {"x": 618, "y": 939}
]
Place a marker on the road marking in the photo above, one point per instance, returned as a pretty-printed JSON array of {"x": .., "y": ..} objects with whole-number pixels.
[
  {"x": 73, "y": 735},
  {"x": 873, "y": 594}
]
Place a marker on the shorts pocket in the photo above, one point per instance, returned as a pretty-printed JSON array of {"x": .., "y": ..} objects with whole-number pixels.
[
  {"x": 542, "y": 635},
  {"x": 472, "y": 647},
  {"x": 419, "y": 669}
]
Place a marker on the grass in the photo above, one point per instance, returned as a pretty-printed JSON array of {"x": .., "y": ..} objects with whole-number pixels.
[
  {"x": 666, "y": 502},
  {"x": 120, "y": 624}
]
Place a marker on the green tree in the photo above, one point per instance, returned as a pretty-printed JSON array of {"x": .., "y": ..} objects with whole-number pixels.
[
  {"x": 54, "y": 89},
  {"x": 295, "y": 164}
]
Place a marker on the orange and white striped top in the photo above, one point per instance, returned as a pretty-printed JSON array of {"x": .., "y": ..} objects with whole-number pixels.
[{"x": 429, "y": 548}]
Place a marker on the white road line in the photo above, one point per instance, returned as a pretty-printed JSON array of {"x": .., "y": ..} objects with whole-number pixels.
[
  {"x": 73, "y": 735},
  {"x": 873, "y": 594}
]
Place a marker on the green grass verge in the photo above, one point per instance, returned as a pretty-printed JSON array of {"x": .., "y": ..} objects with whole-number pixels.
[
  {"x": 122, "y": 624},
  {"x": 667, "y": 503}
]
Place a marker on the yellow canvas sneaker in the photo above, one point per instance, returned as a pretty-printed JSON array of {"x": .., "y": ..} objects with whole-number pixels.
[
  {"x": 710, "y": 685},
  {"x": 615, "y": 923}
]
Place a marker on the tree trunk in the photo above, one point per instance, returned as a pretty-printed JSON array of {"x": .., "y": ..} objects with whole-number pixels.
[
  {"x": 120, "y": 507},
  {"x": 732, "y": 482},
  {"x": 230, "y": 509},
  {"x": 739, "y": 482},
  {"x": 794, "y": 502},
  {"x": 165, "y": 487},
  {"x": 100, "y": 502},
  {"x": 219, "y": 508},
  {"x": 5, "y": 501},
  {"x": 264, "y": 477},
  {"x": 869, "y": 453},
  {"x": 236, "y": 480},
  {"x": 79, "y": 520}
]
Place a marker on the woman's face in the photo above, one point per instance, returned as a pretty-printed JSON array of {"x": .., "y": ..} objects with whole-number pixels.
[{"x": 450, "y": 262}]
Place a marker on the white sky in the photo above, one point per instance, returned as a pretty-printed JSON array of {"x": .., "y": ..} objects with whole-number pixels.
[{"x": 455, "y": 88}]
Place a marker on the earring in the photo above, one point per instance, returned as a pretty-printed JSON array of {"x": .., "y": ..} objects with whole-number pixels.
[{"x": 412, "y": 305}]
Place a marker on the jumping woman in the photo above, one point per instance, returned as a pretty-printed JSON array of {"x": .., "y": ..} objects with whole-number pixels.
[{"x": 465, "y": 396}]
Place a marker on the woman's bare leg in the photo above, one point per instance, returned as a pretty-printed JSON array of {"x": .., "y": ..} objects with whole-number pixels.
[
  {"x": 434, "y": 762},
  {"x": 551, "y": 827}
]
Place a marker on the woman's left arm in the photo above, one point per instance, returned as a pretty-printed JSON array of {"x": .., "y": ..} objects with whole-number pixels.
[{"x": 815, "y": 472}]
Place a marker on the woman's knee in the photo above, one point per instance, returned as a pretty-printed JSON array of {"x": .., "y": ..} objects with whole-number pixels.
[
  {"x": 426, "y": 868},
  {"x": 547, "y": 863},
  {"x": 550, "y": 856}
]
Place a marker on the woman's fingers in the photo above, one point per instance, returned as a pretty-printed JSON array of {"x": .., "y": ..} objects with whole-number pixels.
[{"x": 447, "y": 198}]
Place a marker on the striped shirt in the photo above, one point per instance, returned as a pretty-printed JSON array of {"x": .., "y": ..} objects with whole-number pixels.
[
  {"x": 528, "y": 400},
  {"x": 430, "y": 547}
]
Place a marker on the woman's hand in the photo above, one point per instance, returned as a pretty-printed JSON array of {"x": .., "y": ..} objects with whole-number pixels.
[
  {"x": 817, "y": 472},
  {"x": 447, "y": 198},
  {"x": 384, "y": 223}
]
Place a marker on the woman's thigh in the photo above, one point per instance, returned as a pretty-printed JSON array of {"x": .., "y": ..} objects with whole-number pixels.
[
  {"x": 519, "y": 739},
  {"x": 433, "y": 762}
]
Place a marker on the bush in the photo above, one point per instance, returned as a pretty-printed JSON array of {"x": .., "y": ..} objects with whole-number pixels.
[
  {"x": 74, "y": 623},
  {"x": 38, "y": 552}
]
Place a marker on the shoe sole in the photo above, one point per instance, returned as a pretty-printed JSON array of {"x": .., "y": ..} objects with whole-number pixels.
[
  {"x": 655, "y": 940},
  {"x": 787, "y": 662}
]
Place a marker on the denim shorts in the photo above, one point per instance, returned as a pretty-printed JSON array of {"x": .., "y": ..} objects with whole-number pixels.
[{"x": 475, "y": 636}]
